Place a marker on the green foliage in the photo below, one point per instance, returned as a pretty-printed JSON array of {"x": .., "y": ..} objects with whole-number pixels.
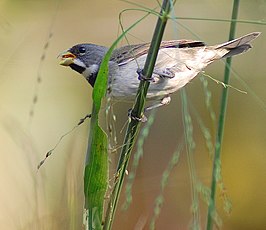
[
  {"x": 96, "y": 174},
  {"x": 96, "y": 167}
]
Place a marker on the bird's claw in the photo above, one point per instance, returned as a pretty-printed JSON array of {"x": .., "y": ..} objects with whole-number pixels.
[
  {"x": 142, "y": 119},
  {"x": 165, "y": 73},
  {"x": 142, "y": 77},
  {"x": 168, "y": 73}
]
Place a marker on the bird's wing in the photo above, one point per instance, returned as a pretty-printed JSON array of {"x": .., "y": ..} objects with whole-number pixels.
[{"x": 128, "y": 53}]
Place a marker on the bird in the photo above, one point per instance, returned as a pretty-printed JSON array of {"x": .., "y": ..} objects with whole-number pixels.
[{"x": 177, "y": 63}]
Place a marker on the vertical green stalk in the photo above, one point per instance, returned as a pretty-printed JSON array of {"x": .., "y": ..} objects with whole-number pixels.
[
  {"x": 137, "y": 111},
  {"x": 220, "y": 132}
]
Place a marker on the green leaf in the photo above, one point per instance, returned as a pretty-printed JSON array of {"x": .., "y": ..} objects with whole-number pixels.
[
  {"x": 96, "y": 174},
  {"x": 96, "y": 166}
]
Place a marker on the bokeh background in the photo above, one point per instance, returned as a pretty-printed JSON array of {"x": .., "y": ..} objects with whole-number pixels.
[{"x": 40, "y": 101}]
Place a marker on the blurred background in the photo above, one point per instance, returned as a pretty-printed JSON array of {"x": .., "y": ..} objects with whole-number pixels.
[{"x": 41, "y": 100}]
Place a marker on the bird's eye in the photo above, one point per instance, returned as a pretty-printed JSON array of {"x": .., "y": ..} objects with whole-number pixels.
[{"x": 82, "y": 50}]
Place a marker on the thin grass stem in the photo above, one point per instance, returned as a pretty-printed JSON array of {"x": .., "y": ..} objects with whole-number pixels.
[
  {"x": 254, "y": 22},
  {"x": 137, "y": 111},
  {"x": 220, "y": 132}
]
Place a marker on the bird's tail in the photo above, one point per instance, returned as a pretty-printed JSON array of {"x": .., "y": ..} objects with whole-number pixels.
[{"x": 238, "y": 46}]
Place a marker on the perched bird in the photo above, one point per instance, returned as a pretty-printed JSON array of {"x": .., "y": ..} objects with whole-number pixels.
[{"x": 178, "y": 62}]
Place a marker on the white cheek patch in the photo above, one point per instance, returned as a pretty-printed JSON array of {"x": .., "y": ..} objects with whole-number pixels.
[
  {"x": 90, "y": 70},
  {"x": 79, "y": 63}
]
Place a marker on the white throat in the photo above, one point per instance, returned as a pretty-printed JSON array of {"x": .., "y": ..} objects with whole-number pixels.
[{"x": 90, "y": 70}]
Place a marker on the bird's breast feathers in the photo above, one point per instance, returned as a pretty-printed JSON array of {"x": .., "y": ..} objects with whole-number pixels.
[{"x": 185, "y": 63}]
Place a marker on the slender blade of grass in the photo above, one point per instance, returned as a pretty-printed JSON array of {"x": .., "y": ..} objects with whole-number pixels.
[
  {"x": 96, "y": 174},
  {"x": 254, "y": 22},
  {"x": 96, "y": 165},
  {"x": 220, "y": 132},
  {"x": 137, "y": 111}
]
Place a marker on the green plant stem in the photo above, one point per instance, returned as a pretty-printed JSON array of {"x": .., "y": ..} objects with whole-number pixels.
[
  {"x": 137, "y": 111},
  {"x": 254, "y": 22},
  {"x": 220, "y": 132}
]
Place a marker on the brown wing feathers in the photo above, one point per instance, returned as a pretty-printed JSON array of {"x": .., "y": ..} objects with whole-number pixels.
[{"x": 127, "y": 53}]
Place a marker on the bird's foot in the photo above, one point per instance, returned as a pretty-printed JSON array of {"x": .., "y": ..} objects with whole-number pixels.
[
  {"x": 166, "y": 73},
  {"x": 142, "y": 77},
  {"x": 142, "y": 119},
  {"x": 164, "y": 101}
]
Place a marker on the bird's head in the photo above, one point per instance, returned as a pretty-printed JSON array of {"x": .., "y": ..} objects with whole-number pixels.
[{"x": 85, "y": 59}]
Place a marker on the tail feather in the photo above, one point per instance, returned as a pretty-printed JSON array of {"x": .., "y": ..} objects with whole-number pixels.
[{"x": 239, "y": 45}]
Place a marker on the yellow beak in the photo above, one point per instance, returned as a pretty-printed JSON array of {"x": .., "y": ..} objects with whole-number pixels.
[{"x": 66, "y": 58}]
